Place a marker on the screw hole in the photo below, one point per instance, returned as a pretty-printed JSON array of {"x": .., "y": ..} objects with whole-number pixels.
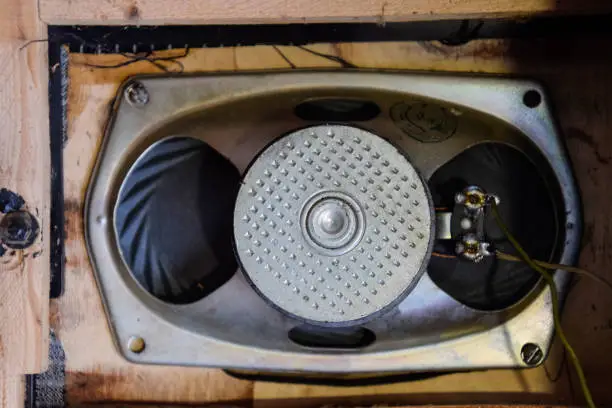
[{"x": 532, "y": 98}]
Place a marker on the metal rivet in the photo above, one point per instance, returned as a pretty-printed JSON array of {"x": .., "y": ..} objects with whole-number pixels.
[{"x": 136, "y": 344}]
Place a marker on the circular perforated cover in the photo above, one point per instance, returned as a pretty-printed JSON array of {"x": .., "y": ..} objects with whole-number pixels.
[{"x": 333, "y": 224}]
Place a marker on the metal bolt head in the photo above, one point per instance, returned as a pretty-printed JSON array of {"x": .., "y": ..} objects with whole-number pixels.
[
  {"x": 18, "y": 229},
  {"x": 136, "y": 94},
  {"x": 136, "y": 344},
  {"x": 532, "y": 354}
]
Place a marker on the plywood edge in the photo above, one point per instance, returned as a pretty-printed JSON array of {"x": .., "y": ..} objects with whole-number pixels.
[
  {"x": 24, "y": 170},
  {"x": 160, "y": 12},
  {"x": 12, "y": 391}
]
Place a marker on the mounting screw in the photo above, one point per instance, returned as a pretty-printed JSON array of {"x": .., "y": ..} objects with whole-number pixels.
[
  {"x": 18, "y": 229},
  {"x": 136, "y": 344},
  {"x": 532, "y": 354},
  {"x": 136, "y": 94}
]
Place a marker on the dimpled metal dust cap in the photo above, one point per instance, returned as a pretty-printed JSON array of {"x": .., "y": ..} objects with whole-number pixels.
[{"x": 333, "y": 225}]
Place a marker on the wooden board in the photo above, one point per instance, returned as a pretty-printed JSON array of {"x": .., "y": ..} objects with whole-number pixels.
[
  {"x": 95, "y": 371},
  {"x": 578, "y": 76},
  {"x": 300, "y": 11},
  {"x": 11, "y": 391},
  {"x": 25, "y": 170}
]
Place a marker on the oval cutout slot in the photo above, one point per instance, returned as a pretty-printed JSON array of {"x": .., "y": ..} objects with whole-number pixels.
[
  {"x": 331, "y": 338},
  {"x": 337, "y": 110}
]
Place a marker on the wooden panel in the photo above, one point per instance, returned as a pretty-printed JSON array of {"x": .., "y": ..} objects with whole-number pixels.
[
  {"x": 493, "y": 386},
  {"x": 578, "y": 76},
  {"x": 24, "y": 169},
  {"x": 12, "y": 392},
  {"x": 300, "y": 11},
  {"x": 95, "y": 371}
]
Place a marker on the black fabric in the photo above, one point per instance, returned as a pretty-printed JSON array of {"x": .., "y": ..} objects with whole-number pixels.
[
  {"x": 141, "y": 38},
  {"x": 48, "y": 389},
  {"x": 174, "y": 220}
]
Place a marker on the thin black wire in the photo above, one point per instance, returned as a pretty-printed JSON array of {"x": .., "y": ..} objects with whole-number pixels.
[
  {"x": 155, "y": 61},
  {"x": 131, "y": 58},
  {"x": 32, "y": 42},
  {"x": 283, "y": 56},
  {"x": 557, "y": 376},
  {"x": 464, "y": 34},
  {"x": 335, "y": 58}
]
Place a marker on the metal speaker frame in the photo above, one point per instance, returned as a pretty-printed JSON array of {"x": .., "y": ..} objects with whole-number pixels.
[{"x": 432, "y": 118}]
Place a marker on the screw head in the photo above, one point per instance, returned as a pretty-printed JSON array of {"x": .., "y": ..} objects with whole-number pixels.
[
  {"x": 136, "y": 344},
  {"x": 136, "y": 94},
  {"x": 532, "y": 354}
]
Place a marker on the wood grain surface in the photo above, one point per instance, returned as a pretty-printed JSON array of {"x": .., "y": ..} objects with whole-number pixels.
[
  {"x": 11, "y": 391},
  {"x": 300, "y": 11},
  {"x": 24, "y": 169},
  {"x": 577, "y": 74}
]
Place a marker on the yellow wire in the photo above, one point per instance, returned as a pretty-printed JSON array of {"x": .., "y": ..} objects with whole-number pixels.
[
  {"x": 555, "y": 304},
  {"x": 554, "y": 266}
]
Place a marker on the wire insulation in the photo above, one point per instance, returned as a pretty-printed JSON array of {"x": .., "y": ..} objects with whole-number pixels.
[
  {"x": 553, "y": 266},
  {"x": 547, "y": 265},
  {"x": 445, "y": 256},
  {"x": 555, "y": 303},
  {"x": 148, "y": 57},
  {"x": 344, "y": 63},
  {"x": 284, "y": 57}
]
